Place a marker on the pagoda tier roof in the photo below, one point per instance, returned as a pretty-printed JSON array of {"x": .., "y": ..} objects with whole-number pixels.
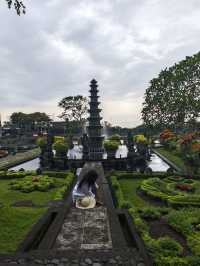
[
  {"x": 94, "y": 119},
  {"x": 96, "y": 110},
  {"x": 94, "y": 103},
  {"x": 94, "y": 126},
  {"x": 94, "y": 96}
]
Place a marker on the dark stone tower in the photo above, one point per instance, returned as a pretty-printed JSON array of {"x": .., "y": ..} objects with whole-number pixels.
[{"x": 94, "y": 129}]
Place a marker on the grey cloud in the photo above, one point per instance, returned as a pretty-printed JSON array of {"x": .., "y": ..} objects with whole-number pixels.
[{"x": 58, "y": 46}]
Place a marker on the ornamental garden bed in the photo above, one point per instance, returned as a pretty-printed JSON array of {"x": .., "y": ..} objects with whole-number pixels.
[
  {"x": 170, "y": 230},
  {"x": 24, "y": 198}
]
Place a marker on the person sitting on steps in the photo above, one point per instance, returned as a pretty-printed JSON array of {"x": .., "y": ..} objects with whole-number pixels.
[{"x": 88, "y": 187}]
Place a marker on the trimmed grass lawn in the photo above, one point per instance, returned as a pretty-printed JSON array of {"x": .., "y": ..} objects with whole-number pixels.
[
  {"x": 173, "y": 157},
  {"x": 8, "y": 196},
  {"x": 15, "y": 223},
  {"x": 129, "y": 188}
]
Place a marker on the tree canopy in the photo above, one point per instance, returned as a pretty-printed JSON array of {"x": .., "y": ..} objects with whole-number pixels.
[
  {"x": 173, "y": 98},
  {"x": 23, "y": 120},
  {"x": 18, "y": 5},
  {"x": 74, "y": 108}
]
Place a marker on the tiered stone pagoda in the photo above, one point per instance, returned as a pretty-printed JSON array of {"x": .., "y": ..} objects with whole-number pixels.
[{"x": 94, "y": 129}]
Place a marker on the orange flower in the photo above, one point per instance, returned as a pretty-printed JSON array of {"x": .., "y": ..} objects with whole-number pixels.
[{"x": 196, "y": 147}]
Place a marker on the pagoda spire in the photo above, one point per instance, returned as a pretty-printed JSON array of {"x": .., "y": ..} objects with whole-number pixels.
[{"x": 94, "y": 129}]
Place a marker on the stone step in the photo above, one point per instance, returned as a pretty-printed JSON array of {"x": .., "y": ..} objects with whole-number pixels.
[{"x": 128, "y": 257}]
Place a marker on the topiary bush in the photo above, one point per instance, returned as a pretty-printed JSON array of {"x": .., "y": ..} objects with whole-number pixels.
[
  {"x": 68, "y": 181},
  {"x": 111, "y": 145},
  {"x": 33, "y": 183}
]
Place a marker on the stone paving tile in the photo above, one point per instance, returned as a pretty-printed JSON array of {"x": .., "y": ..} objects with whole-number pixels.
[{"x": 85, "y": 229}]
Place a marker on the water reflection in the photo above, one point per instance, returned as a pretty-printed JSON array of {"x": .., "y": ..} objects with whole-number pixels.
[
  {"x": 28, "y": 166},
  {"x": 156, "y": 163}
]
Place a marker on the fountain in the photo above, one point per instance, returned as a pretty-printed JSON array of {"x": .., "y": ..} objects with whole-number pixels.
[{"x": 127, "y": 157}]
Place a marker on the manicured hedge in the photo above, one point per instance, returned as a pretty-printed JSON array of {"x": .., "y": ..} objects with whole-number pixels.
[
  {"x": 68, "y": 181},
  {"x": 166, "y": 191},
  {"x": 165, "y": 251},
  {"x": 12, "y": 174}
]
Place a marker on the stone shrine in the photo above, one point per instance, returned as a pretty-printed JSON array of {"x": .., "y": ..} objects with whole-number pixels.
[{"x": 94, "y": 129}]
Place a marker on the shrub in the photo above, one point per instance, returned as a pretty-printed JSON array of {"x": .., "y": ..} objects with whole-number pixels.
[
  {"x": 32, "y": 183},
  {"x": 60, "y": 147},
  {"x": 111, "y": 145},
  {"x": 126, "y": 204},
  {"x": 41, "y": 142},
  {"x": 150, "y": 212},
  {"x": 140, "y": 139},
  {"x": 164, "y": 247},
  {"x": 194, "y": 243},
  {"x": 115, "y": 137},
  {"x": 185, "y": 187},
  {"x": 121, "y": 203},
  {"x": 66, "y": 187}
]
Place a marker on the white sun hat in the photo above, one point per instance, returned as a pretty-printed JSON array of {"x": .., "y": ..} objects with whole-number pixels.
[{"x": 86, "y": 203}]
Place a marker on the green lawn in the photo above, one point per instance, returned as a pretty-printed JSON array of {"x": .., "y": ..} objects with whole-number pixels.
[
  {"x": 15, "y": 223},
  {"x": 129, "y": 187},
  {"x": 173, "y": 157},
  {"x": 8, "y": 196}
]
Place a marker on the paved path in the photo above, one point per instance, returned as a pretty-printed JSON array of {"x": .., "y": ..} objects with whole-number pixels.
[{"x": 85, "y": 229}]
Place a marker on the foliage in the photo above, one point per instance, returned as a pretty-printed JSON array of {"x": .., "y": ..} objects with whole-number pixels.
[
  {"x": 150, "y": 212},
  {"x": 186, "y": 221},
  {"x": 177, "y": 193},
  {"x": 32, "y": 183},
  {"x": 121, "y": 202},
  {"x": 9, "y": 196},
  {"x": 74, "y": 108},
  {"x": 59, "y": 138},
  {"x": 166, "y": 246},
  {"x": 18, "y": 5},
  {"x": 167, "y": 134},
  {"x": 60, "y": 147},
  {"x": 111, "y": 145},
  {"x": 66, "y": 186},
  {"x": 115, "y": 138},
  {"x": 173, "y": 97},
  {"x": 190, "y": 151},
  {"x": 165, "y": 251},
  {"x": 29, "y": 121},
  {"x": 140, "y": 139},
  {"x": 41, "y": 142}
]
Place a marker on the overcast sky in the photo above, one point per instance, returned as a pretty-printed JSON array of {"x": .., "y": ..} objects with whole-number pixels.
[{"x": 60, "y": 45}]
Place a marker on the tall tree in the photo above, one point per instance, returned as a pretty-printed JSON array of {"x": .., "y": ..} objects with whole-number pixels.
[
  {"x": 18, "y": 5},
  {"x": 28, "y": 121},
  {"x": 74, "y": 108},
  {"x": 173, "y": 98}
]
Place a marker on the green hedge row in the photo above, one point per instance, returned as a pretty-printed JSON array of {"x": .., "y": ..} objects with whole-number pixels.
[
  {"x": 162, "y": 190},
  {"x": 121, "y": 202},
  {"x": 68, "y": 181},
  {"x": 19, "y": 174}
]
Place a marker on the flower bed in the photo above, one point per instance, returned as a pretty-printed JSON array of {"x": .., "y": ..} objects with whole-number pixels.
[{"x": 173, "y": 190}]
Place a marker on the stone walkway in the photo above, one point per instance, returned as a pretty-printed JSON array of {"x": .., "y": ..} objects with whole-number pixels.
[{"x": 85, "y": 229}]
